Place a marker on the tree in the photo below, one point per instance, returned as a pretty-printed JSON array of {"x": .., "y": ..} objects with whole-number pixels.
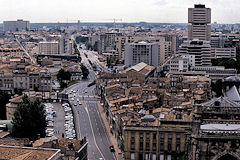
[
  {"x": 29, "y": 119},
  {"x": 63, "y": 76},
  {"x": 85, "y": 71},
  {"x": 88, "y": 46},
  {"x": 81, "y": 39},
  {"x": 4, "y": 99}
]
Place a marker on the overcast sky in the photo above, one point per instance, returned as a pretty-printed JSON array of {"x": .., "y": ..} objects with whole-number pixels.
[{"x": 162, "y": 11}]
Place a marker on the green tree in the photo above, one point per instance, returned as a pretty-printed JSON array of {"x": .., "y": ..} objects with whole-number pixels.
[
  {"x": 29, "y": 119},
  {"x": 63, "y": 76},
  {"x": 88, "y": 46},
  {"x": 81, "y": 39},
  {"x": 4, "y": 99},
  {"x": 85, "y": 71}
]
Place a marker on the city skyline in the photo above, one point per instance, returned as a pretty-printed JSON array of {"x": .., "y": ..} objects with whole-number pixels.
[{"x": 157, "y": 11}]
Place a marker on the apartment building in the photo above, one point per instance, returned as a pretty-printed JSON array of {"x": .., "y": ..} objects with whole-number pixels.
[
  {"x": 223, "y": 52},
  {"x": 13, "y": 26},
  {"x": 142, "y": 51},
  {"x": 65, "y": 44},
  {"x": 167, "y": 41},
  {"x": 107, "y": 42},
  {"x": 161, "y": 138},
  {"x": 179, "y": 64},
  {"x": 48, "y": 47},
  {"x": 151, "y": 119}
]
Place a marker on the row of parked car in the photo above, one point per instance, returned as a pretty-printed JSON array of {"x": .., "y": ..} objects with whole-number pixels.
[
  {"x": 69, "y": 125},
  {"x": 50, "y": 114}
]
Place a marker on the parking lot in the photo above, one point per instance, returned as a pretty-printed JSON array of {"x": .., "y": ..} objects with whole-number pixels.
[
  {"x": 59, "y": 120},
  {"x": 50, "y": 113}
]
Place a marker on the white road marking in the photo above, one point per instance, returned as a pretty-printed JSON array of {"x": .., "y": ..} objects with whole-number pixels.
[{"x": 94, "y": 138}]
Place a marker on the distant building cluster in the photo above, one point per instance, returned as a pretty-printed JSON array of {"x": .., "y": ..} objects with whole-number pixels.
[
  {"x": 14, "y": 26},
  {"x": 165, "y": 91}
]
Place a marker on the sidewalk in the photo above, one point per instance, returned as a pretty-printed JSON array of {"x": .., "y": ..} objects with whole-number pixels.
[{"x": 113, "y": 140}]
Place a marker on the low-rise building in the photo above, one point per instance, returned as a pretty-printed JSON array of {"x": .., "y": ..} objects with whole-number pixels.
[
  {"x": 48, "y": 47},
  {"x": 22, "y": 153},
  {"x": 223, "y": 52},
  {"x": 215, "y": 131},
  {"x": 157, "y": 137}
]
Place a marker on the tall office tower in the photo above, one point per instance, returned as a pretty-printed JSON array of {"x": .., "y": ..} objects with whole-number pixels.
[
  {"x": 199, "y": 19},
  {"x": 78, "y": 26},
  {"x": 142, "y": 51},
  {"x": 13, "y": 26}
]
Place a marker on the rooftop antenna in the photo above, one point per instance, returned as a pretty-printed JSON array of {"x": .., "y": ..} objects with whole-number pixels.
[{"x": 67, "y": 22}]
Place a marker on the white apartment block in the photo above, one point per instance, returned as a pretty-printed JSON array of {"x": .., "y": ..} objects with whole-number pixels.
[
  {"x": 179, "y": 64},
  {"x": 13, "y": 26},
  {"x": 142, "y": 51},
  {"x": 48, "y": 47},
  {"x": 166, "y": 41}
]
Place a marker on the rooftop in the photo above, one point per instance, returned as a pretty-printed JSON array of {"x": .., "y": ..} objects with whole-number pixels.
[{"x": 27, "y": 153}]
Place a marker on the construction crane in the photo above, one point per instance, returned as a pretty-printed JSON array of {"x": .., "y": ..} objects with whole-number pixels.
[{"x": 114, "y": 21}]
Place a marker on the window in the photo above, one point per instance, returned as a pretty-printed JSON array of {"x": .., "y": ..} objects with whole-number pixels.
[
  {"x": 141, "y": 146},
  {"x": 154, "y": 157},
  {"x": 154, "y": 147},
  {"x": 169, "y": 157},
  {"x": 132, "y": 135},
  {"x": 178, "y": 148},
  {"x": 161, "y": 142},
  {"x": 132, "y": 145},
  {"x": 147, "y": 136},
  {"x": 147, "y": 156},
  {"x": 140, "y": 156},
  {"x": 161, "y": 156},
  {"x": 141, "y": 136},
  {"x": 132, "y": 156},
  {"x": 169, "y": 142},
  {"x": 147, "y": 146},
  {"x": 178, "y": 141},
  {"x": 154, "y": 136}
]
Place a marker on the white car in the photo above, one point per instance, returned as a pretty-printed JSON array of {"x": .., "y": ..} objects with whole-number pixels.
[{"x": 80, "y": 103}]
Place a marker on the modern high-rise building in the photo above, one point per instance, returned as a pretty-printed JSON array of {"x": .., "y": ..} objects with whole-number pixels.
[
  {"x": 13, "y": 26},
  {"x": 65, "y": 44},
  {"x": 201, "y": 50},
  {"x": 142, "y": 51},
  {"x": 107, "y": 42},
  {"x": 199, "y": 19}
]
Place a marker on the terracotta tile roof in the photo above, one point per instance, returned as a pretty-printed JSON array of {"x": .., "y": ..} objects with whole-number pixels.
[{"x": 25, "y": 153}]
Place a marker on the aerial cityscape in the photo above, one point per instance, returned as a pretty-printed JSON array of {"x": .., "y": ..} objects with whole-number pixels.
[{"x": 116, "y": 89}]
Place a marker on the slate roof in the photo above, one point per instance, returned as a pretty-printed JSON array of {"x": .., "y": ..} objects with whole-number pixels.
[{"x": 221, "y": 101}]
